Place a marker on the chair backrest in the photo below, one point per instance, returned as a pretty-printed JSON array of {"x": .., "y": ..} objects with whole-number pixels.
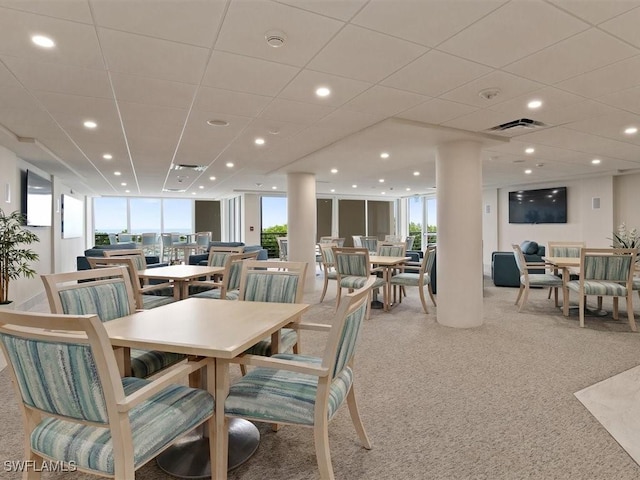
[
  {"x": 62, "y": 365},
  {"x": 137, "y": 255},
  {"x": 391, "y": 249},
  {"x": 393, "y": 238},
  {"x": 428, "y": 259},
  {"x": 175, "y": 237},
  {"x": 352, "y": 261},
  {"x": 339, "y": 241},
  {"x": 272, "y": 281},
  {"x": 166, "y": 239},
  {"x": 565, "y": 249},
  {"x": 357, "y": 240},
  {"x": 148, "y": 239},
  {"x": 219, "y": 255},
  {"x": 283, "y": 247},
  {"x": 131, "y": 264},
  {"x": 125, "y": 237},
  {"x": 519, "y": 257},
  {"x": 341, "y": 343},
  {"x": 326, "y": 250},
  {"x": 233, "y": 269},
  {"x": 203, "y": 239},
  {"x": 113, "y": 239},
  {"x": 610, "y": 264},
  {"x": 370, "y": 243},
  {"x": 106, "y": 292},
  {"x": 409, "y": 242}
]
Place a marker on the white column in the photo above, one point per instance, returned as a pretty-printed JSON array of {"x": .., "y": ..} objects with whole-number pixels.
[
  {"x": 301, "y": 222},
  {"x": 459, "y": 251}
]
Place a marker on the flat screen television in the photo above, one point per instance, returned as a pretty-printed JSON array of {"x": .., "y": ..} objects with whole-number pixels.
[
  {"x": 39, "y": 200},
  {"x": 545, "y": 205}
]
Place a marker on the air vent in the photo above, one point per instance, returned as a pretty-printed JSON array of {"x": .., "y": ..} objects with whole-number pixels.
[
  {"x": 174, "y": 190},
  {"x": 522, "y": 123},
  {"x": 185, "y": 166}
]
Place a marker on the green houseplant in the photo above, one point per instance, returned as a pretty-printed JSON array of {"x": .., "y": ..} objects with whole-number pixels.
[{"x": 14, "y": 259}]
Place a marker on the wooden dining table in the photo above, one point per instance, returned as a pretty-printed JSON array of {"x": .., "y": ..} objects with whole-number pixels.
[
  {"x": 219, "y": 329},
  {"x": 387, "y": 263},
  {"x": 181, "y": 275}
]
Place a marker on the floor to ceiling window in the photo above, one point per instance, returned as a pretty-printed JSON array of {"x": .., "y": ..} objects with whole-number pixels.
[
  {"x": 273, "y": 222},
  {"x": 422, "y": 212}
]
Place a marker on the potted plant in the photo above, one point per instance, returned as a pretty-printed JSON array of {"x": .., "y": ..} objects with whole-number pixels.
[{"x": 14, "y": 259}]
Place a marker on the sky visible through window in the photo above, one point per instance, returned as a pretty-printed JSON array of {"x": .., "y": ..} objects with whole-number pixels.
[
  {"x": 110, "y": 214},
  {"x": 274, "y": 211}
]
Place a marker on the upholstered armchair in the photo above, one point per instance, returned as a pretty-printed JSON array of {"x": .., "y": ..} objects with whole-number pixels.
[{"x": 353, "y": 270}]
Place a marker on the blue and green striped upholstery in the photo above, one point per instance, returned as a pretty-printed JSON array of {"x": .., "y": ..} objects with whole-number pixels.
[
  {"x": 565, "y": 251},
  {"x": 235, "y": 271},
  {"x": 543, "y": 280},
  {"x": 599, "y": 287},
  {"x": 214, "y": 293},
  {"x": 217, "y": 259},
  {"x": 391, "y": 251},
  {"x": 153, "y": 301},
  {"x": 327, "y": 256},
  {"x": 154, "y": 423},
  {"x": 370, "y": 244},
  {"x": 269, "y": 287},
  {"x": 358, "y": 282},
  {"x": 352, "y": 264},
  {"x": 614, "y": 268},
  {"x": 288, "y": 338},
  {"x": 140, "y": 262},
  {"x": 349, "y": 336},
  {"x": 410, "y": 279},
  {"x": 636, "y": 284},
  {"x": 57, "y": 378},
  {"x": 282, "y": 396}
]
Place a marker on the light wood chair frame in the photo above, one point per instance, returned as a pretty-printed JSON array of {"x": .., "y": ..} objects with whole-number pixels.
[
  {"x": 422, "y": 271},
  {"x": 326, "y": 265},
  {"x": 523, "y": 292},
  {"x": 222, "y": 280},
  {"x": 550, "y": 252},
  {"x": 372, "y": 272}
]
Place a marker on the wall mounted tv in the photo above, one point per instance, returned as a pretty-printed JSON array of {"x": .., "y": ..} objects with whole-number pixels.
[
  {"x": 546, "y": 205},
  {"x": 38, "y": 201}
]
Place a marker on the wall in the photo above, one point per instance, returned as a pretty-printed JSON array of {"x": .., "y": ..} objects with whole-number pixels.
[
  {"x": 251, "y": 218},
  {"x": 626, "y": 200},
  {"x": 65, "y": 249},
  {"x": 490, "y": 221}
]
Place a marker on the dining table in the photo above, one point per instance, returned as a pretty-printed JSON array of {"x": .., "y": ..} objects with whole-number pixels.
[
  {"x": 181, "y": 275},
  {"x": 221, "y": 330},
  {"x": 387, "y": 264}
]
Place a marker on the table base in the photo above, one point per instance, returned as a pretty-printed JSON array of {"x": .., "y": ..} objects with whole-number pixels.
[
  {"x": 190, "y": 458},
  {"x": 588, "y": 311}
]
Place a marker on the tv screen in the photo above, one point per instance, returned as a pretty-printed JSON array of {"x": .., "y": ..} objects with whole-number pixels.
[
  {"x": 546, "y": 205},
  {"x": 39, "y": 200}
]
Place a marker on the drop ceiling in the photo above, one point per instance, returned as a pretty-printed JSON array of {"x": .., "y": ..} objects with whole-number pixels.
[{"x": 404, "y": 76}]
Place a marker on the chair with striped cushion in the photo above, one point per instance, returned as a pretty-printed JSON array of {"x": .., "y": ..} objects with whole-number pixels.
[
  {"x": 528, "y": 279},
  {"x": 273, "y": 281},
  {"x": 353, "y": 270},
  {"x": 370, "y": 243},
  {"x": 306, "y": 390},
  {"x": 77, "y": 409},
  {"x": 421, "y": 279},
  {"x": 564, "y": 249},
  {"x": 106, "y": 292},
  {"x": 227, "y": 287},
  {"x": 604, "y": 272},
  {"x": 328, "y": 266}
]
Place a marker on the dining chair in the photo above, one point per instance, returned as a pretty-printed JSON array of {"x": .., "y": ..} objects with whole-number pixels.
[
  {"x": 147, "y": 296},
  {"x": 307, "y": 390},
  {"x": 283, "y": 248},
  {"x": 227, "y": 285},
  {"x": 339, "y": 241},
  {"x": 370, "y": 243},
  {"x": 202, "y": 241},
  {"x": 357, "y": 240},
  {"x": 106, "y": 292},
  {"x": 528, "y": 279},
  {"x": 168, "y": 253},
  {"x": 353, "y": 270},
  {"x": 409, "y": 242},
  {"x": 604, "y": 272},
  {"x": 564, "y": 249},
  {"x": 113, "y": 238},
  {"x": 421, "y": 279},
  {"x": 77, "y": 409},
  {"x": 393, "y": 238},
  {"x": 126, "y": 238},
  {"x": 149, "y": 243},
  {"x": 328, "y": 266},
  {"x": 273, "y": 281}
]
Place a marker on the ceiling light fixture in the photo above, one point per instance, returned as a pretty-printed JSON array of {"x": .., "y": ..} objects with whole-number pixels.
[
  {"x": 275, "y": 38},
  {"x": 354, "y": 186},
  {"x": 408, "y": 189},
  {"x": 596, "y": 161},
  {"x": 117, "y": 174},
  {"x": 42, "y": 41},
  {"x": 216, "y": 122},
  {"x": 416, "y": 174},
  {"x": 323, "y": 92},
  {"x": 529, "y": 150},
  {"x": 334, "y": 170},
  {"x": 274, "y": 188},
  {"x": 631, "y": 130},
  {"x": 212, "y": 178},
  {"x": 201, "y": 187},
  {"x": 333, "y": 190},
  {"x": 123, "y": 184},
  {"x": 90, "y": 124},
  {"x": 229, "y": 164},
  {"x": 259, "y": 141},
  {"x": 533, "y": 104},
  {"x": 384, "y": 155},
  {"x": 127, "y": 191},
  {"x": 381, "y": 180},
  {"x": 383, "y": 193},
  {"x": 107, "y": 156},
  {"x": 528, "y": 171}
]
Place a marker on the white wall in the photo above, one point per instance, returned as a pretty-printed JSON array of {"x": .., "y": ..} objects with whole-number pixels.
[
  {"x": 626, "y": 200},
  {"x": 251, "y": 218},
  {"x": 490, "y": 218},
  {"x": 66, "y": 249}
]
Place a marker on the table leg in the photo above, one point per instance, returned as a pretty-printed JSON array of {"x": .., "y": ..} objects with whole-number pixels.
[{"x": 222, "y": 423}]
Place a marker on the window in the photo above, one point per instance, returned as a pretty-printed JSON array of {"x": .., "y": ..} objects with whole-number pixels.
[
  {"x": 177, "y": 215},
  {"x": 109, "y": 215},
  {"x": 422, "y": 211},
  {"x": 145, "y": 215},
  {"x": 273, "y": 219}
]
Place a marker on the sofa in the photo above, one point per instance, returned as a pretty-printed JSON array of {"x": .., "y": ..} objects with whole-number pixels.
[
  {"x": 98, "y": 251},
  {"x": 201, "y": 258},
  {"x": 504, "y": 270}
]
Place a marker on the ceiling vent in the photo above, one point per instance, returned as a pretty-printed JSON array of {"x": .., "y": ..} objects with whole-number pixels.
[
  {"x": 518, "y": 127},
  {"x": 174, "y": 190},
  {"x": 185, "y": 166}
]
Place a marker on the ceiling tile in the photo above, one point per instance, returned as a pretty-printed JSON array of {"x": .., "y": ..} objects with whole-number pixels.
[
  {"x": 479, "y": 120},
  {"x": 509, "y": 85},
  {"x": 551, "y": 98},
  {"x": 342, "y": 10},
  {"x": 587, "y": 50},
  {"x": 596, "y": 11},
  {"x": 247, "y": 23},
  {"x": 151, "y": 57},
  {"x": 424, "y": 75},
  {"x": 564, "y": 115},
  {"x": 611, "y": 126},
  {"x": 365, "y": 55},
  {"x": 436, "y": 111},
  {"x": 427, "y": 22},
  {"x": 75, "y": 10},
  {"x": 347, "y": 121},
  {"x": 295, "y": 112},
  {"x": 227, "y": 102},
  {"x": 625, "y": 27},
  {"x": 149, "y": 122},
  {"x": 245, "y": 74},
  {"x": 136, "y": 89},
  {"x": 195, "y": 24},
  {"x": 385, "y": 101},
  {"x": 612, "y": 78},
  {"x": 303, "y": 87},
  {"x": 525, "y": 28},
  {"x": 76, "y": 43},
  {"x": 626, "y": 99}
]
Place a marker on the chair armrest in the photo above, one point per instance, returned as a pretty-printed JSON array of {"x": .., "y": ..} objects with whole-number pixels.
[
  {"x": 170, "y": 376},
  {"x": 318, "y": 327},
  {"x": 280, "y": 364},
  {"x": 155, "y": 286}
]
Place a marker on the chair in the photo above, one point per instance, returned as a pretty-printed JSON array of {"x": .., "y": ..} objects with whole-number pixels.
[
  {"x": 167, "y": 252},
  {"x": 370, "y": 243},
  {"x": 564, "y": 249},
  {"x": 393, "y": 238},
  {"x": 305, "y": 390},
  {"x": 357, "y": 240},
  {"x": 108, "y": 293},
  {"x": 77, "y": 409},
  {"x": 125, "y": 238},
  {"x": 227, "y": 287},
  {"x": 421, "y": 279},
  {"x": 409, "y": 242},
  {"x": 146, "y": 296},
  {"x": 604, "y": 272},
  {"x": 328, "y": 266},
  {"x": 113, "y": 239},
  {"x": 390, "y": 249},
  {"x": 528, "y": 279},
  {"x": 149, "y": 243},
  {"x": 353, "y": 270},
  {"x": 202, "y": 241},
  {"x": 339, "y": 241},
  {"x": 283, "y": 248},
  {"x": 285, "y": 285}
]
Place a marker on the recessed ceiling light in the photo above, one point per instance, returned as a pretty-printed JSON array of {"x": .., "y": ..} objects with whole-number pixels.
[
  {"x": 408, "y": 189},
  {"x": 107, "y": 156},
  {"x": 259, "y": 141},
  {"x": 212, "y": 178},
  {"x": 333, "y": 190},
  {"x": 381, "y": 180},
  {"x": 193, "y": 193},
  {"x": 334, "y": 170},
  {"x": 90, "y": 124},
  {"x": 323, "y": 92},
  {"x": 631, "y": 130},
  {"x": 217, "y": 122},
  {"x": 43, "y": 41},
  {"x": 201, "y": 187},
  {"x": 117, "y": 174},
  {"x": 529, "y": 150},
  {"x": 354, "y": 186},
  {"x": 274, "y": 188},
  {"x": 596, "y": 161},
  {"x": 528, "y": 171},
  {"x": 127, "y": 191},
  {"x": 230, "y": 164},
  {"x": 384, "y": 155},
  {"x": 383, "y": 193},
  {"x": 123, "y": 184},
  {"x": 416, "y": 174},
  {"x": 533, "y": 104}
]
